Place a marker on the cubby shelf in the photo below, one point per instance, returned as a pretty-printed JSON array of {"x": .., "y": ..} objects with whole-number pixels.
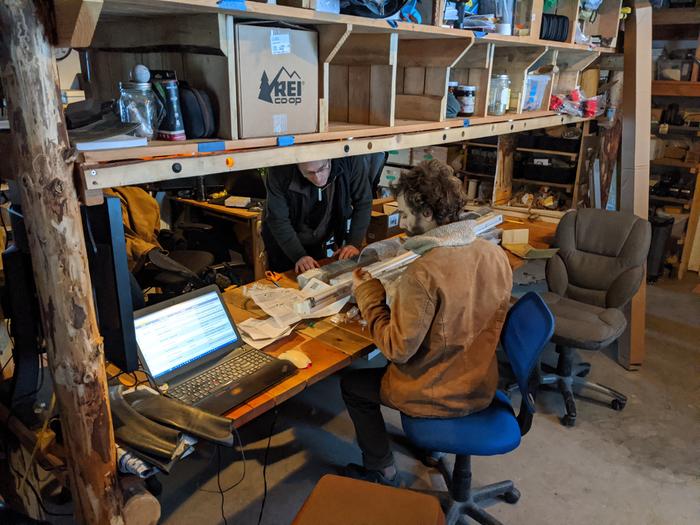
[{"x": 403, "y": 69}]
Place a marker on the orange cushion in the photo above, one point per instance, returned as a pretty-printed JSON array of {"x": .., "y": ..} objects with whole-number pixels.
[{"x": 338, "y": 500}]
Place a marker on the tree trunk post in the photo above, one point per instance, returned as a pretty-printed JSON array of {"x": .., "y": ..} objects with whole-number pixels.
[{"x": 44, "y": 173}]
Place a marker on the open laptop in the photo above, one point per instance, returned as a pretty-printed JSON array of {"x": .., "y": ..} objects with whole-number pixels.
[{"x": 193, "y": 352}]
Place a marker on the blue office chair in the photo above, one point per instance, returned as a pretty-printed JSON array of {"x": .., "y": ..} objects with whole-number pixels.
[{"x": 494, "y": 430}]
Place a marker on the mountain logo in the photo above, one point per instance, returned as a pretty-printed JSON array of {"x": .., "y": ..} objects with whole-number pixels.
[{"x": 285, "y": 87}]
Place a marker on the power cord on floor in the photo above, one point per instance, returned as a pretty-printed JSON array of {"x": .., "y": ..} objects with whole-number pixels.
[
  {"x": 221, "y": 491},
  {"x": 218, "y": 483},
  {"x": 238, "y": 482},
  {"x": 267, "y": 451},
  {"x": 30, "y": 485}
]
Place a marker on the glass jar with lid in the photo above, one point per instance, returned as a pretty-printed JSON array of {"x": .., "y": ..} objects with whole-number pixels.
[
  {"x": 138, "y": 104},
  {"x": 499, "y": 97},
  {"x": 467, "y": 100}
]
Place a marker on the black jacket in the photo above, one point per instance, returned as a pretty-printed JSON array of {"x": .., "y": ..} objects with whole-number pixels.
[{"x": 290, "y": 198}]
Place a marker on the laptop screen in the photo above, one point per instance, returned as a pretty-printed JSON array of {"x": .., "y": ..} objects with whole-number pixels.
[{"x": 179, "y": 334}]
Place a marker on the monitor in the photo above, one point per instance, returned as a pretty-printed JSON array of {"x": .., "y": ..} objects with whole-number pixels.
[
  {"x": 188, "y": 330},
  {"x": 111, "y": 281}
]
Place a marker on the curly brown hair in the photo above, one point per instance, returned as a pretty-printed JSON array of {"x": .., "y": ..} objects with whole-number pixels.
[{"x": 432, "y": 186}]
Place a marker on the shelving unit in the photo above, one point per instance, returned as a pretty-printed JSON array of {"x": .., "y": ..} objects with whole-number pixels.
[
  {"x": 405, "y": 70},
  {"x": 679, "y": 24},
  {"x": 505, "y": 175}
]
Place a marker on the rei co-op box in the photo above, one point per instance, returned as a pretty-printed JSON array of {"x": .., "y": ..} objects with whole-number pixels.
[{"x": 277, "y": 78}]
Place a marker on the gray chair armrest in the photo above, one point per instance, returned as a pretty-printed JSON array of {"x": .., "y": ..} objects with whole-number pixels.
[
  {"x": 557, "y": 276},
  {"x": 624, "y": 287}
]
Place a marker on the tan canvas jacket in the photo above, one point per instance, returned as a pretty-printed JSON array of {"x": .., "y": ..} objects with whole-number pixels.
[
  {"x": 441, "y": 332},
  {"x": 141, "y": 218}
]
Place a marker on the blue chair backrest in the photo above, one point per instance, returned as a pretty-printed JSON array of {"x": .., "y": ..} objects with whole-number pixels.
[{"x": 528, "y": 328}]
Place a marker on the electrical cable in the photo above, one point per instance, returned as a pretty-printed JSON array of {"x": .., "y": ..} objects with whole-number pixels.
[
  {"x": 238, "y": 482},
  {"x": 41, "y": 503},
  {"x": 36, "y": 445},
  {"x": 31, "y": 486},
  {"x": 2, "y": 370},
  {"x": 221, "y": 491},
  {"x": 267, "y": 451},
  {"x": 218, "y": 483}
]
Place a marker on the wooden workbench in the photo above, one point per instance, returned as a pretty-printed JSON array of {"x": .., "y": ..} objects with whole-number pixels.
[
  {"x": 330, "y": 347},
  {"x": 247, "y": 227},
  {"x": 541, "y": 236}
]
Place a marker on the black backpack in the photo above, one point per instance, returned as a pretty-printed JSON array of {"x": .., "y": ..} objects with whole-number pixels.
[{"x": 197, "y": 112}]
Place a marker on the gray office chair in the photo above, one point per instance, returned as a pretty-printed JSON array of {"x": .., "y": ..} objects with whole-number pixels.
[{"x": 598, "y": 269}]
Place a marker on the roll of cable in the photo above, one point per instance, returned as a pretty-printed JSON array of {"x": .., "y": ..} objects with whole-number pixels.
[{"x": 554, "y": 27}]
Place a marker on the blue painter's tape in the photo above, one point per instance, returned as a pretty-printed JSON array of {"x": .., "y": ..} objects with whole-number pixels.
[
  {"x": 285, "y": 140},
  {"x": 480, "y": 34},
  {"x": 466, "y": 123},
  {"x": 392, "y": 23},
  {"x": 208, "y": 147},
  {"x": 236, "y": 5}
]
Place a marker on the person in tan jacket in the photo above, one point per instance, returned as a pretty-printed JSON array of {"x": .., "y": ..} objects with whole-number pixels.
[{"x": 441, "y": 330}]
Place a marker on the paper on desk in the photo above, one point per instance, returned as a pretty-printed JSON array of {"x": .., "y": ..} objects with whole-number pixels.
[
  {"x": 313, "y": 287},
  {"x": 262, "y": 328},
  {"x": 277, "y": 302},
  {"x": 262, "y": 343}
]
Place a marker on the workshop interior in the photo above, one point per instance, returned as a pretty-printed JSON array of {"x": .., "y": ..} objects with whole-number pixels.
[{"x": 350, "y": 262}]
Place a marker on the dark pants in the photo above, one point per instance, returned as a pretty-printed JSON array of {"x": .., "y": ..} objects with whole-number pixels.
[{"x": 360, "y": 390}]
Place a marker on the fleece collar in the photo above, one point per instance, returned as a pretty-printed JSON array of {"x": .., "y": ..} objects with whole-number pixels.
[{"x": 458, "y": 233}]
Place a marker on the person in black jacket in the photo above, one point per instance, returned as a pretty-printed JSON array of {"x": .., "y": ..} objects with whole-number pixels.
[{"x": 310, "y": 202}]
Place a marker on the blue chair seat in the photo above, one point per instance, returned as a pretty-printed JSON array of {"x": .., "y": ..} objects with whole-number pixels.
[{"x": 488, "y": 432}]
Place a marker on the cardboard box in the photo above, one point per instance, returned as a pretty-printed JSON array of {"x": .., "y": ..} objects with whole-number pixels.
[
  {"x": 400, "y": 156},
  {"x": 277, "y": 80},
  {"x": 383, "y": 223},
  {"x": 675, "y": 152},
  {"x": 451, "y": 155},
  {"x": 390, "y": 174}
]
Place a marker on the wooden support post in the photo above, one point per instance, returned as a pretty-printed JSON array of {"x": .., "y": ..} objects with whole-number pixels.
[
  {"x": 76, "y": 21},
  {"x": 44, "y": 163},
  {"x": 634, "y": 194}
]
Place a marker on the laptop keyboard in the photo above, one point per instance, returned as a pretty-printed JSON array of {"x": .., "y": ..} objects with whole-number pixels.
[{"x": 230, "y": 371}]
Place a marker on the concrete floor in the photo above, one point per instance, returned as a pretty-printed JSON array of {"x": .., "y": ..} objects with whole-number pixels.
[{"x": 640, "y": 466}]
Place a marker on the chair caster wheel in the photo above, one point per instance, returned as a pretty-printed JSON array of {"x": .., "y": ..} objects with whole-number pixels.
[
  {"x": 617, "y": 405},
  {"x": 568, "y": 421},
  {"x": 512, "y": 496}
]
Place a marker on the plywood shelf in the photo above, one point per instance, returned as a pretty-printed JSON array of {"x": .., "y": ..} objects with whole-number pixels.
[
  {"x": 675, "y": 163},
  {"x": 482, "y": 145},
  {"x": 675, "y": 88},
  {"x": 676, "y": 16},
  {"x": 670, "y": 200},
  {"x": 120, "y": 167},
  {"x": 549, "y": 152},
  {"x": 476, "y": 175},
  {"x": 567, "y": 187},
  {"x": 117, "y": 9}
]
